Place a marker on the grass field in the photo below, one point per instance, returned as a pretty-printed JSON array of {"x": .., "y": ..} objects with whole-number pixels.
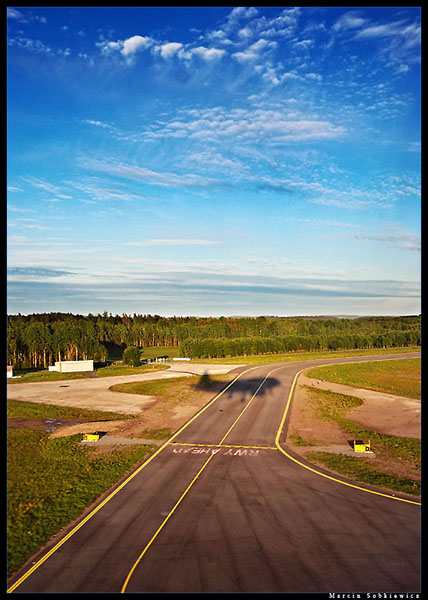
[
  {"x": 359, "y": 470},
  {"x": 333, "y": 407},
  {"x": 399, "y": 377},
  {"x": 294, "y": 356},
  {"x": 179, "y": 390},
  {"x": 118, "y": 368},
  {"x": 51, "y": 482},
  {"x": 389, "y": 449},
  {"x": 19, "y": 409},
  {"x": 113, "y": 370},
  {"x": 156, "y": 351}
]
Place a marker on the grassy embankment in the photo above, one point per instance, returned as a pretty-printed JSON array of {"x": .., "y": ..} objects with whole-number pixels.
[
  {"x": 398, "y": 377},
  {"x": 52, "y": 481}
]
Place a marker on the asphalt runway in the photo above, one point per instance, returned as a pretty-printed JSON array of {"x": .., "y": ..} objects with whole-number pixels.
[{"x": 224, "y": 506}]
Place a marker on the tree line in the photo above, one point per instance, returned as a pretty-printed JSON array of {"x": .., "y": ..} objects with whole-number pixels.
[{"x": 38, "y": 340}]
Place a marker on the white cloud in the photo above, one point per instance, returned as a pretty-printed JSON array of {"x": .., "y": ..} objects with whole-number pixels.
[
  {"x": 273, "y": 126},
  {"x": 128, "y": 48},
  {"x": 349, "y": 20},
  {"x": 147, "y": 175},
  {"x": 98, "y": 123},
  {"x": 402, "y": 241},
  {"x": 42, "y": 184},
  {"x": 254, "y": 51},
  {"x": 134, "y": 43},
  {"x": 13, "y": 13},
  {"x": 303, "y": 44},
  {"x": 208, "y": 54},
  {"x": 169, "y": 49},
  {"x": 30, "y": 45},
  {"x": 376, "y": 31},
  {"x": 399, "y": 42},
  {"x": 172, "y": 242},
  {"x": 242, "y": 12}
]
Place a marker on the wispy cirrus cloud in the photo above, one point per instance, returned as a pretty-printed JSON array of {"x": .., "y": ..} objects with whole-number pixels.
[
  {"x": 350, "y": 20},
  {"x": 135, "y": 172},
  {"x": 399, "y": 40},
  {"x": 172, "y": 242},
  {"x": 17, "y": 15},
  {"x": 98, "y": 124},
  {"x": 402, "y": 241},
  {"x": 42, "y": 184}
]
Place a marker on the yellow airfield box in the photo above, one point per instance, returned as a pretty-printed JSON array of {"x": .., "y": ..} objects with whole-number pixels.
[
  {"x": 360, "y": 446},
  {"x": 90, "y": 437}
]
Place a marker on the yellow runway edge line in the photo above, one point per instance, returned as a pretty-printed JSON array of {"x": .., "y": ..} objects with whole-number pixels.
[
  {"x": 191, "y": 483},
  {"x": 110, "y": 496},
  {"x": 319, "y": 472},
  {"x": 170, "y": 442}
]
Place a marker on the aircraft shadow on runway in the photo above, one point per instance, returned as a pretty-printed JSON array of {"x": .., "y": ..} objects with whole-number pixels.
[{"x": 246, "y": 387}]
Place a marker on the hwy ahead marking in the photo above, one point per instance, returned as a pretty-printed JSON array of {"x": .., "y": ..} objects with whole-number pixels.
[
  {"x": 110, "y": 496},
  {"x": 162, "y": 525},
  {"x": 221, "y": 449},
  {"x": 220, "y": 445}
]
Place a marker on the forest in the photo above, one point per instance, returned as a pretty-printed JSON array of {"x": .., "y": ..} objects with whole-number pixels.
[{"x": 38, "y": 340}]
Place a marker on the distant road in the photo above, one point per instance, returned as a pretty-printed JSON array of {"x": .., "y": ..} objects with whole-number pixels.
[
  {"x": 224, "y": 506},
  {"x": 94, "y": 393}
]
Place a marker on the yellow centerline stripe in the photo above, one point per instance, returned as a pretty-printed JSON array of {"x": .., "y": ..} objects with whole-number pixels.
[
  {"x": 319, "y": 472},
  {"x": 162, "y": 525},
  {"x": 122, "y": 485},
  {"x": 248, "y": 404},
  {"x": 169, "y": 442}
]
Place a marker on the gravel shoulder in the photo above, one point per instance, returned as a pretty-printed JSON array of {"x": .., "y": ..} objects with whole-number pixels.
[
  {"x": 382, "y": 413},
  {"x": 149, "y": 412}
]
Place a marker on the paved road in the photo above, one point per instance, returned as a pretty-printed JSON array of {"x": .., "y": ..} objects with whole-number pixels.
[
  {"x": 223, "y": 506},
  {"x": 95, "y": 394}
]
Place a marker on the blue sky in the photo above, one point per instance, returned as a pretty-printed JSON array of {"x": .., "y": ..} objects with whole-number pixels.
[{"x": 214, "y": 160}]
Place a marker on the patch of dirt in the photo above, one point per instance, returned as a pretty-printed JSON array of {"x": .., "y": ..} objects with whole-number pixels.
[
  {"x": 322, "y": 434},
  {"x": 161, "y": 414},
  {"x": 47, "y": 425},
  {"x": 381, "y": 412}
]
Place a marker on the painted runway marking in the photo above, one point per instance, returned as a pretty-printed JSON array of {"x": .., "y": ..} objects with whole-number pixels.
[
  {"x": 110, "y": 496},
  {"x": 221, "y": 449},
  {"x": 210, "y": 457},
  {"x": 298, "y": 462}
]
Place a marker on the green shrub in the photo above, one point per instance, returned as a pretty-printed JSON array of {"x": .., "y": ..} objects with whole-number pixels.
[{"x": 132, "y": 356}]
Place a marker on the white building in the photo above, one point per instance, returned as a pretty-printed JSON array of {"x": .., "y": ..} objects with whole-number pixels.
[
  {"x": 74, "y": 366},
  {"x": 9, "y": 371}
]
